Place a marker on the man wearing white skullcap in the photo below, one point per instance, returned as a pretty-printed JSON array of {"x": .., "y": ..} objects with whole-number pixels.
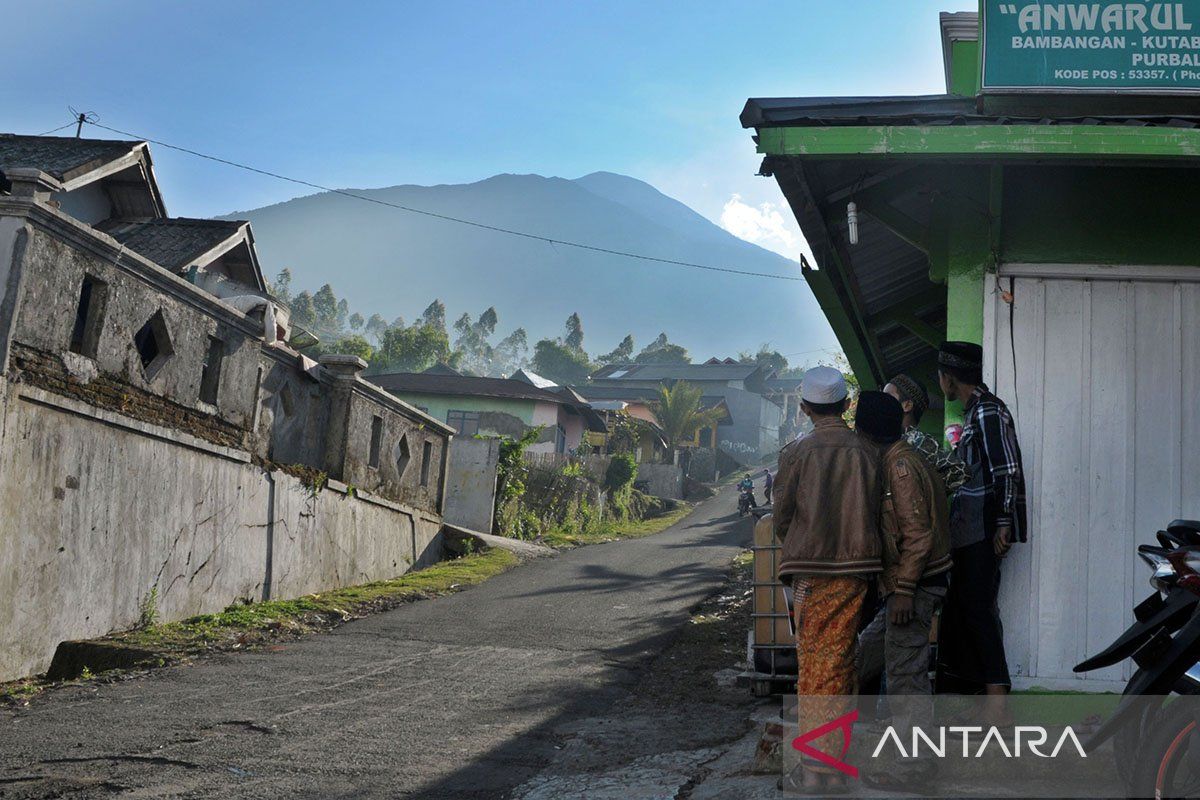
[{"x": 827, "y": 503}]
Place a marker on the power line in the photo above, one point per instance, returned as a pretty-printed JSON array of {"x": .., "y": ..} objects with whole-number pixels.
[
  {"x": 56, "y": 130},
  {"x": 495, "y": 228}
]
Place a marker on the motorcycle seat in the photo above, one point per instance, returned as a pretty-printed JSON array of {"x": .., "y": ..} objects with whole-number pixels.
[{"x": 1182, "y": 526}]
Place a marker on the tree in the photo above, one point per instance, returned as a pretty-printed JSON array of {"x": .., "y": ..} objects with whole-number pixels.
[
  {"x": 414, "y": 349},
  {"x": 356, "y": 321},
  {"x": 560, "y": 363},
  {"x": 434, "y": 315},
  {"x": 326, "y": 305},
  {"x": 477, "y": 352},
  {"x": 281, "y": 287},
  {"x": 304, "y": 312},
  {"x": 375, "y": 326},
  {"x": 352, "y": 346},
  {"x": 621, "y": 354},
  {"x": 574, "y": 337},
  {"x": 677, "y": 411},
  {"x": 343, "y": 314},
  {"x": 661, "y": 351},
  {"x": 772, "y": 360},
  {"x": 511, "y": 354}
]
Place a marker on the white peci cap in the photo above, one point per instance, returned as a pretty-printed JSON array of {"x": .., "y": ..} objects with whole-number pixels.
[{"x": 823, "y": 385}]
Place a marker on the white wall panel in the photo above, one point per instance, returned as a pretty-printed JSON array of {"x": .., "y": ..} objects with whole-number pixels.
[{"x": 1104, "y": 383}]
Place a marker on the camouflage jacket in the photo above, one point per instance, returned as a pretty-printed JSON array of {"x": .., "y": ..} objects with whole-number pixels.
[{"x": 946, "y": 462}]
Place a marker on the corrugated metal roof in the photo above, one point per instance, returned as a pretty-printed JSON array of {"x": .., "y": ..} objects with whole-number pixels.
[
  {"x": 677, "y": 372},
  {"x": 768, "y": 112}
]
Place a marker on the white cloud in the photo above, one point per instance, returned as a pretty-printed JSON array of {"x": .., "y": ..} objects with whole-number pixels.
[{"x": 768, "y": 225}]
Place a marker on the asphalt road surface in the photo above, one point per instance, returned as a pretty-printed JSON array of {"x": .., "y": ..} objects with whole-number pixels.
[{"x": 467, "y": 696}]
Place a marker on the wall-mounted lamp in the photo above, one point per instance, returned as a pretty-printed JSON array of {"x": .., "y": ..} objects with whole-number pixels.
[{"x": 852, "y": 221}]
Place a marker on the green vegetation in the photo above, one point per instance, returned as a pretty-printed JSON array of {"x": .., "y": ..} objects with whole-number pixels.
[
  {"x": 398, "y": 346},
  {"x": 677, "y": 410},
  {"x": 245, "y": 625},
  {"x": 315, "y": 611},
  {"x": 614, "y": 530}
]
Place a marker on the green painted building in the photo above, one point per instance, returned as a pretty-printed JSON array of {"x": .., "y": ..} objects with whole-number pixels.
[{"x": 1054, "y": 219}]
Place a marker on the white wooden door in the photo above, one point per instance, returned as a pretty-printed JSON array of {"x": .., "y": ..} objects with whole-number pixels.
[{"x": 1102, "y": 372}]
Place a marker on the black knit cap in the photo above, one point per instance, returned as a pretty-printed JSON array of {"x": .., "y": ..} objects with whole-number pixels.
[
  {"x": 913, "y": 391},
  {"x": 961, "y": 355},
  {"x": 879, "y": 416}
]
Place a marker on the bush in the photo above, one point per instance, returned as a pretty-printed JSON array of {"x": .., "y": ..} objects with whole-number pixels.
[{"x": 622, "y": 471}]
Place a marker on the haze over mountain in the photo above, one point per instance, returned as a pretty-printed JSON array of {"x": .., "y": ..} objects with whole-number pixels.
[{"x": 394, "y": 263}]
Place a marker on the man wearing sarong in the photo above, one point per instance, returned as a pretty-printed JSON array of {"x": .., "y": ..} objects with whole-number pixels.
[
  {"x": 827, "y": 504},
  {"x": 987, "y": 515}
]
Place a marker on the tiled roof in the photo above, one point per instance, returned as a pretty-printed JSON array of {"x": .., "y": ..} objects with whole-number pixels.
[
  {"x": 463, "y": 386},
  {"x": 59, "y": 157},
  {"x": 674, "y": 372},
  {"x": 173, "y": 243}
]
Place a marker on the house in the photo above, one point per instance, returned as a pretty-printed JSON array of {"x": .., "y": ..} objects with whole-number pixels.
[
  {"x": 636, "y": 402},
  {"x": 497, "y": 407},
  {"x": 1044, "y": 207},
  {"x": 755, "y": 411},
  {"x": 167, "y": 444}
]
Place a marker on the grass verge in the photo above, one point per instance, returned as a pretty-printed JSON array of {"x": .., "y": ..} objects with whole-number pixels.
[
  {"x": 614, "y": 531},
  {"x": 242, "y": 627}
]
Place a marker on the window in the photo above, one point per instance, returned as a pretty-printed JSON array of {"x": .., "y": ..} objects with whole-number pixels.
[
  {"x": 426, "y": 461},
  {"x": 560, "y": 439},
  {"x": 376, "y": 441},
  {"x": 89, "y": 316},
  {"x": 210, "y": 377},
  {"x": 153, "y": 344},
  {"x": 465, "y": 422},
  {"x": 403, "y": 456}
]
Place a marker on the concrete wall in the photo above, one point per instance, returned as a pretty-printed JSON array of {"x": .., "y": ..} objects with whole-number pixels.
[
  {"x": 660, "y": 480},
  {"x": 471, "y": 483},
  {"x": 120, "y": 483},
  {"x": 103, "y": 510}
]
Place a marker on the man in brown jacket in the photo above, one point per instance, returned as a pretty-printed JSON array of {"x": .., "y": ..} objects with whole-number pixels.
[
  {"x": 827, "y": 504},
  {"x": 916, "y": 559}
]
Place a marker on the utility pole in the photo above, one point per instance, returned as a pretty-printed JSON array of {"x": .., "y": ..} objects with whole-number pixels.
[{"x": 79, "y": 127}]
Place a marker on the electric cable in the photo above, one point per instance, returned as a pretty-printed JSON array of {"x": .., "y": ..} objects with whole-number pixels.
[{"x": 446, "y": 217}]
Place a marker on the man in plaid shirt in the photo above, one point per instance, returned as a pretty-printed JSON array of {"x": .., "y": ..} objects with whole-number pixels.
[{"x": 987, "y": 516}]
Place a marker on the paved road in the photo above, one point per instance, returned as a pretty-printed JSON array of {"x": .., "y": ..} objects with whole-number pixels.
[{"x": 466, "y": 696}]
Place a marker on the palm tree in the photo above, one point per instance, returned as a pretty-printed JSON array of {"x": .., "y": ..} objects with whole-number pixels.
[{"x": 677, "y": 411}]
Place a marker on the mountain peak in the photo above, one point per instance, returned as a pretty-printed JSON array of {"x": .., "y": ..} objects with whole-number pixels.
[{"x": 386, "y": 261}]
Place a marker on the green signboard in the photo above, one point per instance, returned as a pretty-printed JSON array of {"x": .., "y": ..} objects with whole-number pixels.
[{"x": 1132, "y": 47}]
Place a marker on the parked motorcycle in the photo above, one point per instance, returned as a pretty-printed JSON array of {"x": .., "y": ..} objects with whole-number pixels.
[
  {"x": 745, "y": 501},
  {"x": 1157, "y": 744}
]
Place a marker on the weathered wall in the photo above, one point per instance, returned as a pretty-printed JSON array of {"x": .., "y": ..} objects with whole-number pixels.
[
  {"x": 660, "y": 480},
  {"x": 52, "y": 273},
  {"x": 471, "y": 483},
  {"x": 120, "y": 484},
  {"x": 103, "y": 510}
]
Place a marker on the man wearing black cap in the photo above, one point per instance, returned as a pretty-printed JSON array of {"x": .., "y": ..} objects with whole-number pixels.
[
  {"x": 914, "y": 399},
  {"x": 916, "y": 557},
  {"x": 987, "y": 517}
]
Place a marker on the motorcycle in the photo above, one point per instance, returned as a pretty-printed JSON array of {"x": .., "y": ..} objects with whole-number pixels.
[
  {"x": 745, "y": 501},
  {"x": 1157, "y": 744}
]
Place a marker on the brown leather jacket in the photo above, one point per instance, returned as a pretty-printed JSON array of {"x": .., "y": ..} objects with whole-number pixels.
[
  {"x": 916, "y": 533},
  {"x": 827, "y": 503}
]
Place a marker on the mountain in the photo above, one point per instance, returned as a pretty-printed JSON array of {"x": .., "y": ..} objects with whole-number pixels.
[{"x": 393, "y": 262}]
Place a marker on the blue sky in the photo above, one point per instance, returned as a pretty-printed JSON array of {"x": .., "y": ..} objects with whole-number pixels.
[
  {"x": 368, "y": 94},
  {"x": 374, "y": 94}
]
